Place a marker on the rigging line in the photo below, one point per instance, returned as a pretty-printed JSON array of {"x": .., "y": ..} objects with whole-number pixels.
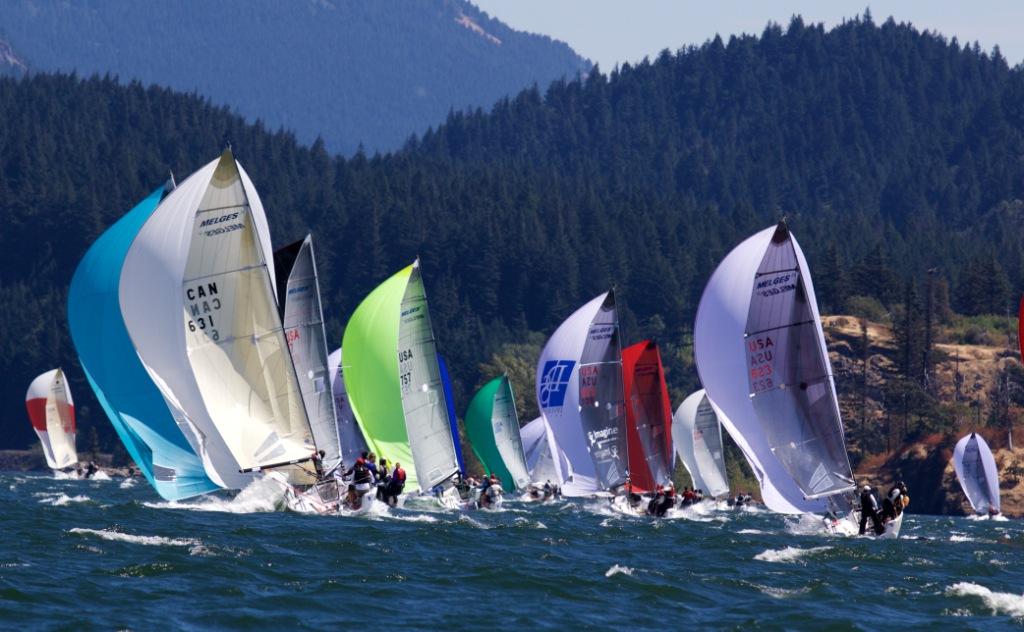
[
  {"x": 760, "y": 274},
  {"x": 796, "y": 324}
]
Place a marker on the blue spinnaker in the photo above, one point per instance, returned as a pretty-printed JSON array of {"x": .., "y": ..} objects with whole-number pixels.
[
  {"x": 131, "y": 400},
  {"x": 447, "y": 382}
]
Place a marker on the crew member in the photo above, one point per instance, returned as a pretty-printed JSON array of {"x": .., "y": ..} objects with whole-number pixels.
[{"x": 869, "y": 509}]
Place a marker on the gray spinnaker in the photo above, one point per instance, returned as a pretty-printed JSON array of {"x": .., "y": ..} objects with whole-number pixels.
[
  {"x": 789, "y": 375},
  {"x": 976, "y": 470},
  {"x": 601, "y": 399}
]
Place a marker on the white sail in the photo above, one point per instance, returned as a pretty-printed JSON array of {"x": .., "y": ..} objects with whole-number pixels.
[
  {"x": 697, "y": 435},
  {"x": 558, "y": 397},
  {"x": 720, "y": 350},
  {"x": 541, "y": 450},
  {"x": 353, "y": 444},
  {"x": 426, "y": 411},
  {"x": 197, "y": 296},
  {"x": 505, "y": 422},
  {"x": 303, "y": 320},
  {"x": 976, "y": 470},
  {"x": 51, "y": 409}
]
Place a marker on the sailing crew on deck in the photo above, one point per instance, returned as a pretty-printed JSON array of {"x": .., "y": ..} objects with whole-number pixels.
[
  {"x": 395, "y": 486},
  {"x": 318, "y": 464},
  {"x": 91, "y": 470},
  {"x": 869, "y": 509},
  {"x": 371, "y": 464},
  {"x": 362, "y": 479},
  {"x": 384, "y": 479}
]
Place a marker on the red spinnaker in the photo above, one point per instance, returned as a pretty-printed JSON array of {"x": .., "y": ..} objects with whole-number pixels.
[{"x": 648, "y": 416}]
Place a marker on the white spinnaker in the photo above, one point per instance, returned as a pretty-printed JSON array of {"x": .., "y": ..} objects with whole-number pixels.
[
  {"x": 558, "y": 396},
  {"x": 505, "y": 421},
  {"x": 976, "y": 470},
  {"x": 49, "y": 393},
  {"x": 426, "y": 413},
  {"x": 353, "y": 444},
  {"x": 721, "y": 357},
  {"x": 307, "y": 343},
  {"x": 697, "y": 435},
  {"x": 540, "y": 448},
  {"x": 153, "y": 303}
]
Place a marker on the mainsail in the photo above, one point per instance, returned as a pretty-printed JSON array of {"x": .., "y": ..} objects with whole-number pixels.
[
  {"x": 124, "y": 389},
  {"x": 778, "y": 398},
  {"x": 197, "y": 295},
  {"x": 976, "y": 470},
  {"x": 648, "y": 416},
  {"x": 594, "y": 441},
  {"x": 493, "y": 428},
  {"x": 544, "y": 460},
  {"x": 51, "y": 409},
  {"x": 394, "y": 381},
  {"x": 697, "y": 434},
  {"x": 353, "y": 444},
  {"x": 298, "y": 300}
]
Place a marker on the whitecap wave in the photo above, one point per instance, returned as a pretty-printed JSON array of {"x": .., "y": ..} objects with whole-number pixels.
[
  {"x": 619, "y": 570},
  {"x": 960, "y": 538},
  {"x": 998, "y": 602},
  {"x": 60, "y": 500},
  {"x": 260, "y": 496},
  {"x": 788, "y": 554},
  {"x": 127, "y": 483},
  {"x": 148, "y": 540},
  {"x": 100, "y": 476},
  {"x": 750, "y": 532}
]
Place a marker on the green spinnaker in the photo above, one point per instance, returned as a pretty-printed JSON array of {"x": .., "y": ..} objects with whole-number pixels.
[
  {"x": 370, "y": 347},
  {"x": 480, "y": 428}
]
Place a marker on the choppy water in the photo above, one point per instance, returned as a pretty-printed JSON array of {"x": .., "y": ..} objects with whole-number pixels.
[{"x": 108, "y": 556}]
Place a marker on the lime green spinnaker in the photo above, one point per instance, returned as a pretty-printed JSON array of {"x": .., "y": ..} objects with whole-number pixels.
[
  {"x": 370, "y": 349},
  {"x": 493, "y": 428}
]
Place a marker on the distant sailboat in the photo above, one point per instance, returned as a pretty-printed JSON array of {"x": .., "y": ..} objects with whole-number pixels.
[
  {"x": 298, "y": 292},
  {"x": 353, "y": 444},
  {"x": 126, "y": 392},
  {"x": 394, "y": 382},
  {"x": 545, "y": 462},
  {"x": 493, "y": 428},
  {"x": 976, "y": 470},
  {"x": 776, "y": 390},
  {"x": 197, "y": 293},
  {"x": 51, "y": 409},
  {"x": 648, "y": 417},
  {"x": 697, "y": 434},
  {"x": 580, "y": 395}
]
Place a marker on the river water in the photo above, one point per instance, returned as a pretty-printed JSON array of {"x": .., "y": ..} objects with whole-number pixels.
[{"x": 112, "y": 555}]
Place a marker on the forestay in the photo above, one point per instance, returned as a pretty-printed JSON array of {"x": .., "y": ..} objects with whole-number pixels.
[
  {"x": 697, "y": 434},
  {"x": 51, "y": 409},
  {"x": 302, "y": 315},
  {"x": 122, "y": 386},
  {"x": 722, "y": 361},
  {"x": 976, "y": 470},
  {"x": 353, "y": 444}
]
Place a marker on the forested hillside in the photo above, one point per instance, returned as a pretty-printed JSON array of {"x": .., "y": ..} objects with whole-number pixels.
[
  {"x": 891, "y": 152},
  {"x": 350, "y": 71}
]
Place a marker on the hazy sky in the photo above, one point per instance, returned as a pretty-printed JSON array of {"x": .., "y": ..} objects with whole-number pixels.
[{"x": 613, "y": 31}]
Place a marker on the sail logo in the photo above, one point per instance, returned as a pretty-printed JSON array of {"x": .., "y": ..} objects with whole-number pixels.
[
  {"x": 218, "y": 220},
  {"x": 554, "y": 382}
]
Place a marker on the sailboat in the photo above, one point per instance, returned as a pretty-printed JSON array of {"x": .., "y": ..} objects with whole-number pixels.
[
  {"x": 545, "y": 462},
  {"x": 394, "y": 385},
  {"x": 648, "y": 417},
  {"x": 493, "y": 428},
  {"x": 761, "y": 355},
  {"x": 129, "y": 397},
  {"x": 353, "y": 444},
  {"x": 976, "y": 470},
  {"x": 197, "y": 294},
  {"x": 697, "y": 434},
  {"x": 580, "y": 396},
  {"x": 51, "y": 409}
]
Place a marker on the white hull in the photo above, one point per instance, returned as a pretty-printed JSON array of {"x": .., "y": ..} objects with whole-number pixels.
[{"x": 849, "y": 526}]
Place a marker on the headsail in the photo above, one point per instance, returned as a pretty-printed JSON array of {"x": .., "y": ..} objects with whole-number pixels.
[
  {"x": 697, "y": 433},
  {"x": 298, "y": 292},
  {"x": 353, "y": 444},
  {"x": 493, "y": 428},
  {"x": 132, "y": 402},
  {"x": 976, "y": 470},
  {"x": 648, "y": 416},
  {"x": 51, "y": 409},
  {"x": 722, "y": 352},
  {"x": 394, "y": 383},
  {"x": 197, "y": 294}
]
